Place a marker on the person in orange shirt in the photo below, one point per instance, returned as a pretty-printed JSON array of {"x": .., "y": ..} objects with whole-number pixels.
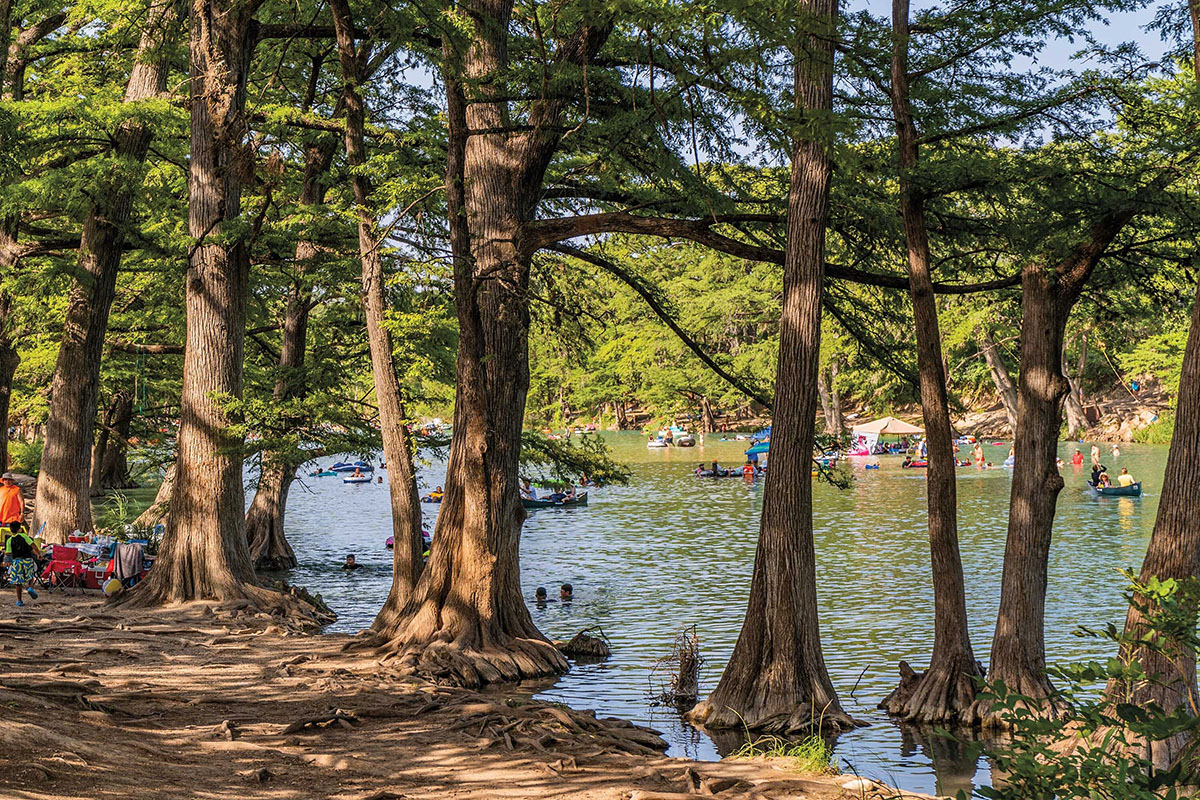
[{"x": 12, "y": 502}]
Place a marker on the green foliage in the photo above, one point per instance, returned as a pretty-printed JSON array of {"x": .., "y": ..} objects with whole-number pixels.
[
  {"x": 25, "y": 456},
  {"x": 1094, "y": 749},
  {"x": 558, "y": 462},
  {"x": 1158, "y": 432}
]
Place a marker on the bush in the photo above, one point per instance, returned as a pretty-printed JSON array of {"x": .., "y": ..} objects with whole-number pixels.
[
  {"x": 1093, "y": 750},
  {"x": 1157, "y": 432},
  {"x": 25, "y": 456}
]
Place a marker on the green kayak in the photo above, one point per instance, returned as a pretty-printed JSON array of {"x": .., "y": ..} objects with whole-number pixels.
[{"x": 1134, "y": 490}]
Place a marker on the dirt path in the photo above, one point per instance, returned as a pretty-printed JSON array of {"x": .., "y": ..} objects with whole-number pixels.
[{"x": 211, "y": 702}]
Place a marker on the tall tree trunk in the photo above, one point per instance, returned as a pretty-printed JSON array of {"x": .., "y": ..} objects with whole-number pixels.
[
  {"x": 110, "y": 468},
  {"x": 1174, "y": 549},
  {"x": 622, "y": 418},
  {"x": 1000, "y": 377},
  {"x": 204, "y": 554},
  {"x": 64, "y": 484},
  {"x": 1048, "y": 294},
  {"x": 402, "y": 479},
  {"x": 10, "y": 359},
  {"x": 269, "y": 547},
  {"x": 1076, "y": 417},
  {"x": 467, "y": 621},
  {"x": 835, "y": 398},
  {"x": 776, "y": 679},
  {"x": 823, "y": 395},
  {"x": 708, "y": 420},
  {"x": 948, "y": 688}
]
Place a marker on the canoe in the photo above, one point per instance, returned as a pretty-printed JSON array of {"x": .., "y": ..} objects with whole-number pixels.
[
  {"x": 359, "y": 479},
  {"x": 1117, "y": 491},
  {"x": 579, "y": 500}
]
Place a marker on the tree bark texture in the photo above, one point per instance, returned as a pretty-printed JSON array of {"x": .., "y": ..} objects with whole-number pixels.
[
  {"x": 1048, "y": 293},
  {"x": 467, "y": 621},
  {"x": 204, "y": 554},
  {"x": 835, "y": 398},
  {"x": 64, "y": 483},
  {"x": 10, "y": 359},
  {"x": 1000, "y": 377},
  {"x": 708, "y": 420},
  {"x": 408, "y": 544},
  {"x": 948, "y": 688},
  {"x": 269, "y": 547},
  {"x": 776, "y": 680}
]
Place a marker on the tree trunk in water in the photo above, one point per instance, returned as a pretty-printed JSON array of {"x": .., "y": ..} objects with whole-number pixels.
[
  {"x": 1048, "y": 294},
  {"x": 204, "y": 554},
  {"x": 1173, "y": 553},
  {"x": 10, "y": 359},
  {"x": 64, "y": 483},
  {"x": 269, "y": 547},
  {"x": 160, "y": 508},
  {"x": 1076, "y": 417},
  {"x": 467, "y": 621},
  {"x": 622, "y": 418},
  {"x": 948, "y": 688},
  {"x": 708, "y": 420},
  {"x": 408, "y": 544},
  {"x": 1000, "y": 377},
  {"x": 776, "y": 679}
]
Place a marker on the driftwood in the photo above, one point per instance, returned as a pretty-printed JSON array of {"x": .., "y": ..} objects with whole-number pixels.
[
  {"x": 587, "y": 646},
  {"x": 343, "y": 718}
]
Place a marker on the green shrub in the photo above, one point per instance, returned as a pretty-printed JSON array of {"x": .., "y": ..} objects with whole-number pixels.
[
  {"x": 1157, "y": 432},
  {"x": 25, "y": 457},
  {"x": 811, "y": 756}
]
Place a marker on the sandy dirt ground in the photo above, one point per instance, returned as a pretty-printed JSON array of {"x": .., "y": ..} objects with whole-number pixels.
[{"x": 213, "y": 702}]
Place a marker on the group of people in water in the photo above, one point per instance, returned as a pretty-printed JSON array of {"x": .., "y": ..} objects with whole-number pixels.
[
  {"x": 566, "y": 593},
  {"x": 749, "y": 470},
  {"x": 559, "y": 495}
]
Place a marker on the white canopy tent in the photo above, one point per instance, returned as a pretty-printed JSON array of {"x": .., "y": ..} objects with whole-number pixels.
[{"x": 885, "y": 426}]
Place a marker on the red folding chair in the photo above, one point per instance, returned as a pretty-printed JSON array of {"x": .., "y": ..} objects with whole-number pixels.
[{"x": 64, "y": 570}]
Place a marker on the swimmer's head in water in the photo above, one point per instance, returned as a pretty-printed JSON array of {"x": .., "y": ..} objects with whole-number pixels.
[
  {"x": 565, "y": 591},
  {"x": 540, "y": 593}
]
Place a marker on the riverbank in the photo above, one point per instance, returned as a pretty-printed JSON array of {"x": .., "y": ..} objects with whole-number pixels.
[{"x": 214, "y": 701}]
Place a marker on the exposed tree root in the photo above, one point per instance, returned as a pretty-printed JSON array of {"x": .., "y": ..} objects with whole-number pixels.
[
  {"x": 290, "y": 604},
  {"x": 343, "y": 718},
  {"x": 457, "y": 665},
  {"x": 766, "y": 716},
  {"x": 944, "y": 693}
]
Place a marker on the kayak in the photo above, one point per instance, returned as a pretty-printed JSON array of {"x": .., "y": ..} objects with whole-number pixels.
[
  {"x": 1134, "y": 490},
  {"x": 359, "y": 479},
  {"x": 578, "y": 500},
  {"x": 343, "y": 466}
]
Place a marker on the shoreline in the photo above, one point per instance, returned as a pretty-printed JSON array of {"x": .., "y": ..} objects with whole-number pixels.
[{"x": 218, "y": 701}]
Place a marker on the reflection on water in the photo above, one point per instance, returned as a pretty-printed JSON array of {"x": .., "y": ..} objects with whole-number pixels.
[{"x": 671, "y": 550}]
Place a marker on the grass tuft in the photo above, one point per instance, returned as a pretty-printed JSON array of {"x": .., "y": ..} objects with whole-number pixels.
[{"x": 811, "y": 756}]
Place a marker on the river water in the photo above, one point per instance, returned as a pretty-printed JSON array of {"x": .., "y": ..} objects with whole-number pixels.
[{"x": 670, "y": 551}]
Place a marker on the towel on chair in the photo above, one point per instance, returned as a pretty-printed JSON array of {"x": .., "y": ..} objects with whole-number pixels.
[{"x": 128, "y": 561}]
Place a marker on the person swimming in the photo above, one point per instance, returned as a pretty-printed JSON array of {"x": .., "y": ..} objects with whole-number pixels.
[
  {"x": 351, "y": 563},
  {"x": 539, "y": 596},
  {"x": 566, "y": 593}
]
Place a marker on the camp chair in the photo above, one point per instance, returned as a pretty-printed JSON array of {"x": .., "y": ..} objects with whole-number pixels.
[{"x": 64, "y": 569}]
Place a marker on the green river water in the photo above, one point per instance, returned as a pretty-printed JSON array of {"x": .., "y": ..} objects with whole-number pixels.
[{"x": 671, "y": 550}]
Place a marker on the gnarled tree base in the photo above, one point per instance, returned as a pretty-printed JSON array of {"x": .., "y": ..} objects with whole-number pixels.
[
  {"x": 767, "y": 717},
  {"x": 509, "y": 661},
  {"x": 269, "y": 548},
  {"x": 945, "y": 693}
]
